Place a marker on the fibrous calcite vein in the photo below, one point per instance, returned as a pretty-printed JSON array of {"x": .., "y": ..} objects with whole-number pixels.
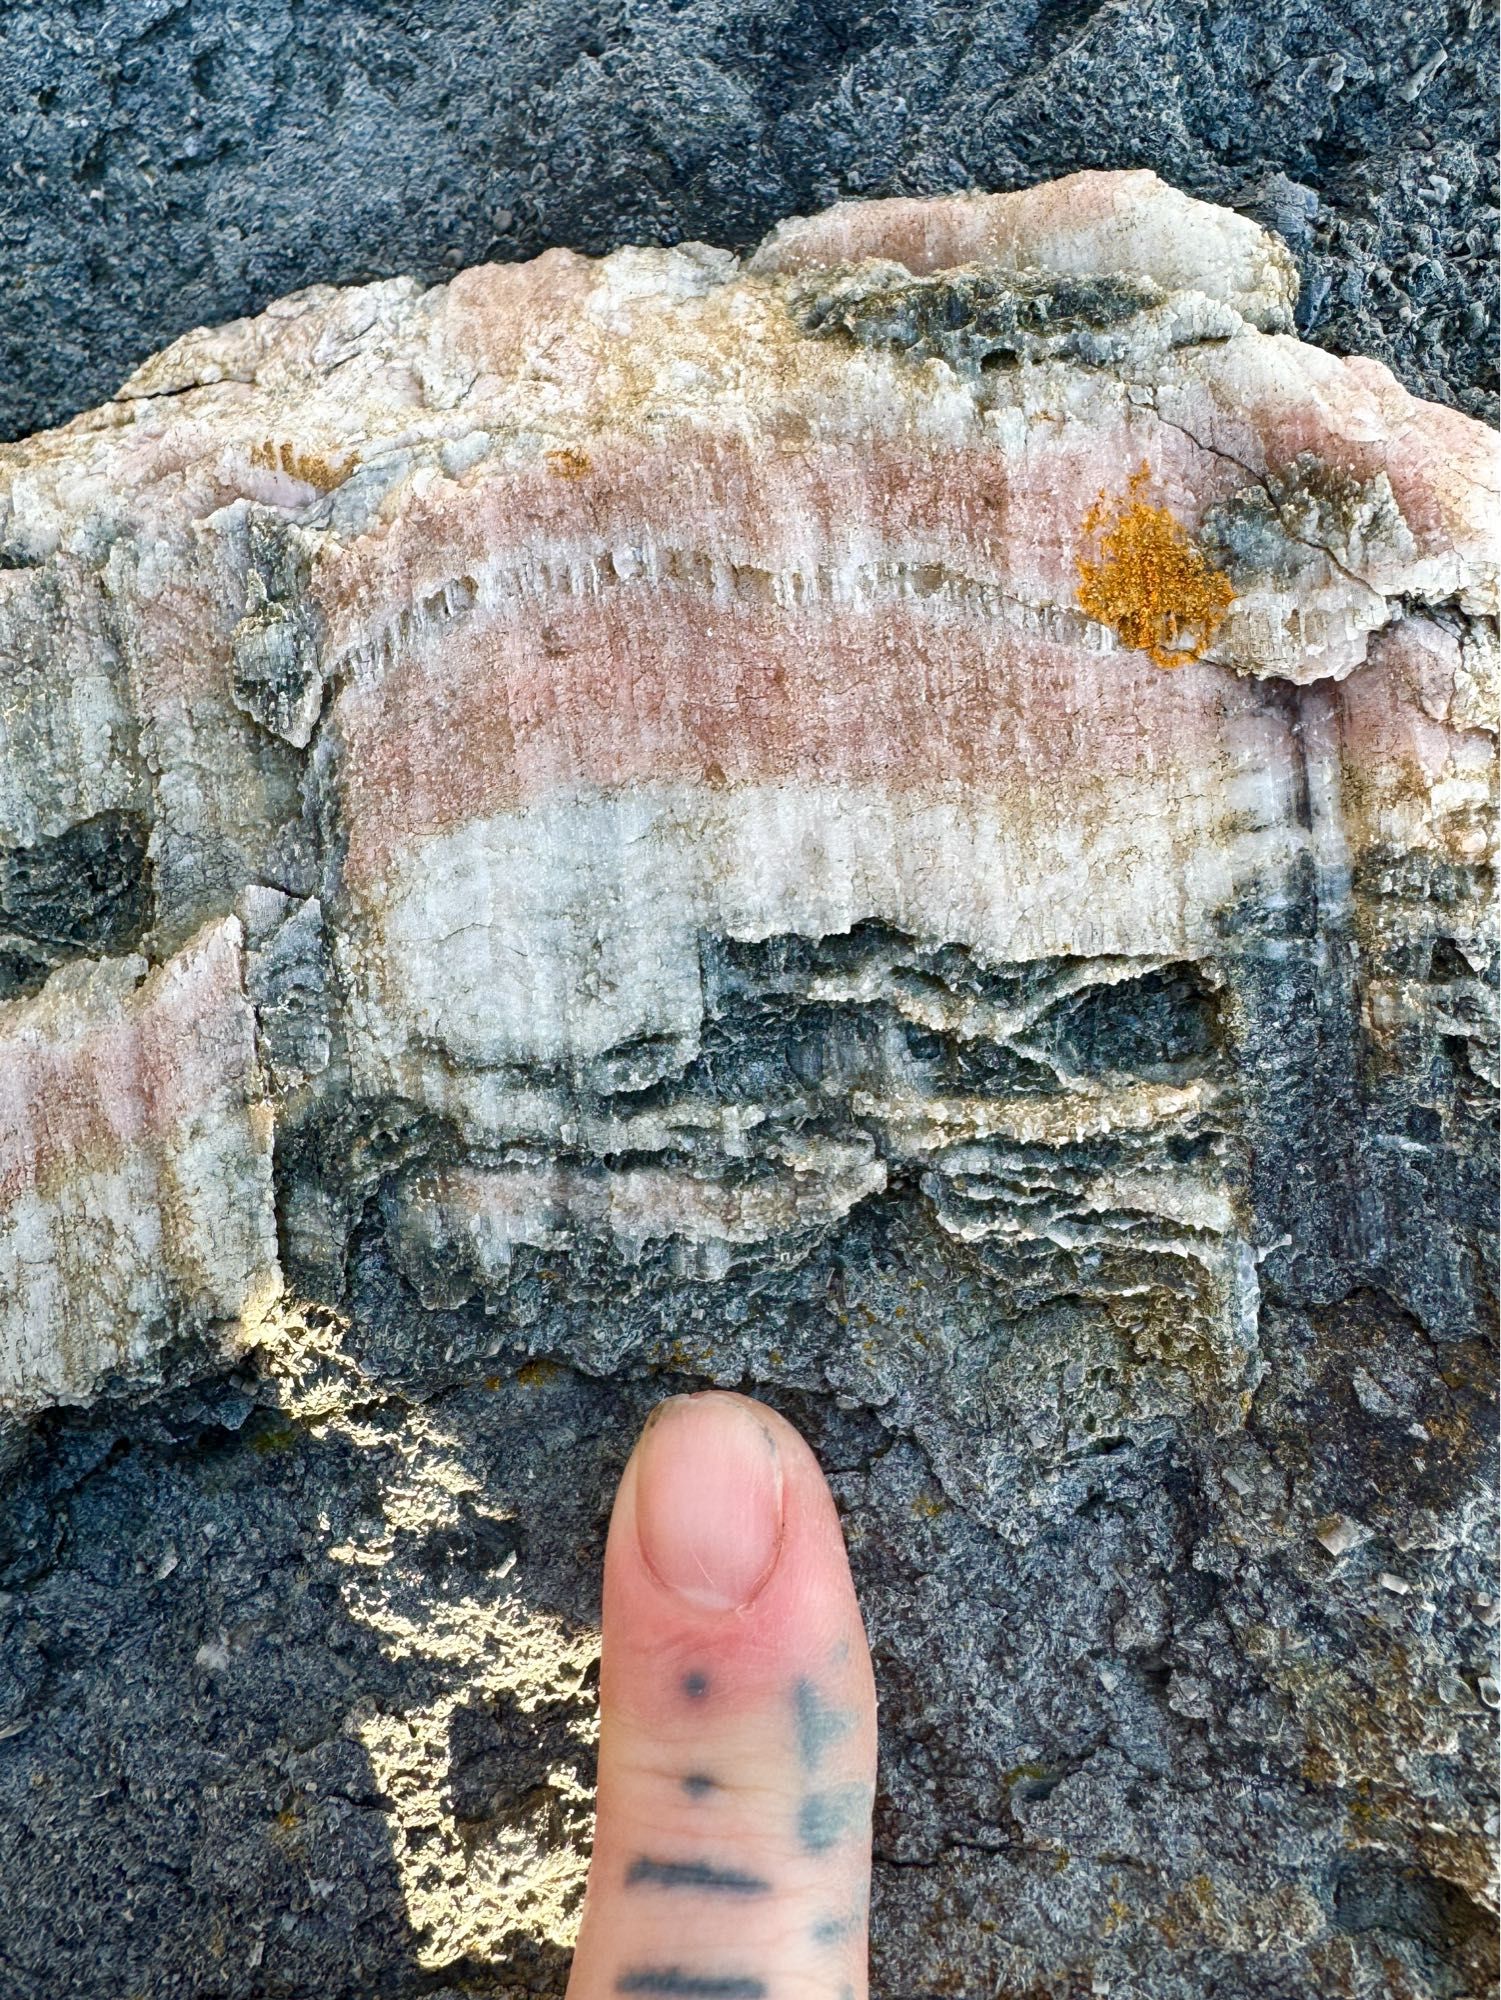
[{"x": 507, "y": 644}]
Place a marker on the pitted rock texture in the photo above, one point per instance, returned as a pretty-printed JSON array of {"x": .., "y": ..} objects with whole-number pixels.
[
  {"x": 613, "y": 855},
  {"x": 174, "y": 164}
]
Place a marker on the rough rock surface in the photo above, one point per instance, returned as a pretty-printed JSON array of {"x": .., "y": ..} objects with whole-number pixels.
[
  {"x": 171, "y": 163},
  {"x": 650, "y": 874}
]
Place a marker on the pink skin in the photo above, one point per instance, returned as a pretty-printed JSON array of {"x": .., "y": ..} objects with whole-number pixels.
[{"x": 738, "y": 1723}]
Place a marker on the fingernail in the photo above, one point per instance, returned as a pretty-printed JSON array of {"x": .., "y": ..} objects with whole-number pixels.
[{"x": 709, "y": 1500}]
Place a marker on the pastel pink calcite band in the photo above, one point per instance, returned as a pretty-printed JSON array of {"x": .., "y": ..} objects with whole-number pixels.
[{"x": 523, "y": 632}]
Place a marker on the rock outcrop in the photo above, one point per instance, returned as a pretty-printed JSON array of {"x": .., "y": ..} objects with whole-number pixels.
[{"x": 907, "y": 823}]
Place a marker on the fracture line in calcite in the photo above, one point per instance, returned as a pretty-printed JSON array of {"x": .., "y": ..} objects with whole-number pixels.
[{"x": 987, "y": 509}]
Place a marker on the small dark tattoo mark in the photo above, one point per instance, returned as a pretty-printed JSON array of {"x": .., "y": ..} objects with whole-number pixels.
[
  {"x": 819, "y": 1725},
  {"x": 694, "y": 1875},
  {"x": 695, "y": 1686},
  {"x": 672, "y": 1980},
  {"x": 697, "y": 1786},
  {"x": 824, "y": 1818},
  {"x": 834, "y": 1930}
]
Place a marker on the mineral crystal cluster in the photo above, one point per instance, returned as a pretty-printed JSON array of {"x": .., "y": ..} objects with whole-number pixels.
[{"x": 905, "y": 824}]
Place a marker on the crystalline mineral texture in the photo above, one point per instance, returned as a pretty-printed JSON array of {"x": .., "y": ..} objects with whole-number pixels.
[
  {"x": 135, "y": 1158},
  {"x": 955, "y": 748}
]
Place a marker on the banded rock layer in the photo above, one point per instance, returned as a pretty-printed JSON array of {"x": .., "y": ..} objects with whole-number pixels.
[
  {"x": 538, "y": 639},
  {"x": 624, "y": 740}
]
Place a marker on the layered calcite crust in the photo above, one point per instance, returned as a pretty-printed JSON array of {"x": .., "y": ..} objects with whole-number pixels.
[
  {"x": 547, "y": 684},
  {"x": 134, "y": 1164}
]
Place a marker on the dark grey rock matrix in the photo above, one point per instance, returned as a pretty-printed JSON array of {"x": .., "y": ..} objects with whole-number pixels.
[{"x": 170, "y": 163}]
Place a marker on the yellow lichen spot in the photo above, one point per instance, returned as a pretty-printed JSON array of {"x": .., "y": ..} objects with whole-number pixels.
[
  {"x": 568, "y": 463},
  {"x": 323, "y": 470},
  {"x": 927, "y": 1508},
  {"x": 1150, "y": 585},
  {"x": 1201, "y": 1889},
  {"x": 1117, "y": 1911},
  {"x": 537, "y": 1374}
]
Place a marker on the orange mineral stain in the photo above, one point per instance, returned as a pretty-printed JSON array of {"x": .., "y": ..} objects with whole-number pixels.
[{"x": 1150, "y": 584}]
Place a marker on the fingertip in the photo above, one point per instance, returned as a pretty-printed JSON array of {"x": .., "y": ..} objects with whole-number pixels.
[
  {"x": 724, "y": 1513},
  {"x": 709, "y": 1499},
  {"x": 737, "y": 1711}
]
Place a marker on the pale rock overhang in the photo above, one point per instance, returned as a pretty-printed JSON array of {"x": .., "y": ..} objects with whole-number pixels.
[{"x": 511, "y": 655}]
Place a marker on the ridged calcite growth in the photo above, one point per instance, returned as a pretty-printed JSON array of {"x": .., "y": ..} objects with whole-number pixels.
[
  {"x": 636, "y": 769},
  {"x": 135, "y": 1159},
  {"x": 551, "y": 625}
]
